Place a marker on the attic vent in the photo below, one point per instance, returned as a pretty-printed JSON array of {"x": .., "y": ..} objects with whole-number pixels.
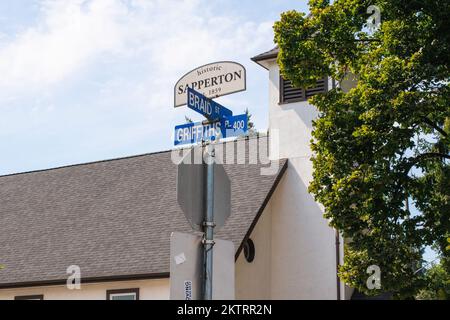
[{"x": 289, "y": 94}]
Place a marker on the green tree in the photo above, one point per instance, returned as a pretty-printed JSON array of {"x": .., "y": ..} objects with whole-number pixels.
[
  {"x": 384, "y": 144},
  {"x": 437, "y": 284},
  {"x": 251, "y": 126}
]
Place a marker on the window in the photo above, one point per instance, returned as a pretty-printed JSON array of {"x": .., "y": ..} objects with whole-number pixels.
[
  {"x": 35, "y": 297},
  {"x": 289, "y": 94},
  {"x": 123, "y": 294}
]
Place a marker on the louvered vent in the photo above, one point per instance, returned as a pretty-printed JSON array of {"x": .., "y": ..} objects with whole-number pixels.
[{"x": 289, "y": 94}]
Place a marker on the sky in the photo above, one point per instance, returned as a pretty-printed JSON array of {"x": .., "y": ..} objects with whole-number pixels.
[{"x": 88, "y": 80}]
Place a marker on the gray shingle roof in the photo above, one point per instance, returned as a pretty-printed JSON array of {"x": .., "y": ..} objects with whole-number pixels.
[
  {"x": 271, "y": 54},
  {"x": 112, "y": 218}
]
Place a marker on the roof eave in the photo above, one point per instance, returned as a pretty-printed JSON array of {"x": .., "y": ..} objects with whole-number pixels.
[
  {"x": 264, "y": 62},
  {"x": 50, "y": 283},
  {"x": 264, "y": 59}
]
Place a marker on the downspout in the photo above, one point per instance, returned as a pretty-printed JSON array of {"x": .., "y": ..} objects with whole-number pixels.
[
  {"x": 338, "y": 243},
  {"x": 338, "y": 281}
]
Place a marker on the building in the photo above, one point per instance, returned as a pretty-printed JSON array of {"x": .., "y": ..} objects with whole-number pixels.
[{"x": 114, "y": 218}]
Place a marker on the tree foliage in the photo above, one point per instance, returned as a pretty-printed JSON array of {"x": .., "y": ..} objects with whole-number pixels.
[
  {"x": 437, "y": 284},
  {"x": 251, "y": 125},
  {"x": 382, "y": 147}
]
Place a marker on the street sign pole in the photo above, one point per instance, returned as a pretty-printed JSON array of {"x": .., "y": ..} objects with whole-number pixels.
[
  {"x": 209, "y": 225},
  {"x": 203, "y": 178}
]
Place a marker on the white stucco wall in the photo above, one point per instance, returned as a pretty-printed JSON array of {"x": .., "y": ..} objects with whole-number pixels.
[
  {"x": 303, "y": 245},
  {"x": 253, "y": 279},
  {"x": 155, "y": 289}
]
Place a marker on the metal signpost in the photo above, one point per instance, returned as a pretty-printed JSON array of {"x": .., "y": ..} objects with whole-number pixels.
[
  {"x": 203, "y": 190},
  {"x": 209, "y": 225}
]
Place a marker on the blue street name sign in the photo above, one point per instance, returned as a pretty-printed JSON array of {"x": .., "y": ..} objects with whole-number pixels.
[
  {"x": 234, "y": 126},
  {"x": 192, "y": 133},
  {"x": 206, "y": 107}
]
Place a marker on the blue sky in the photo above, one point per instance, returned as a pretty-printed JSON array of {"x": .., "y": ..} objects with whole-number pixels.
[{"x": 89, "y": 80}]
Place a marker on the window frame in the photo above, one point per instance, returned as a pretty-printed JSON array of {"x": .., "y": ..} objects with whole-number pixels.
[
  {"x": 30, "y": 297},
  {"x": 121, "y": 292}
]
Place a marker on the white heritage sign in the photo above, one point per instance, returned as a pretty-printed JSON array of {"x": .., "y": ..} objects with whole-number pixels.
[{"x": 212, "y": 80}]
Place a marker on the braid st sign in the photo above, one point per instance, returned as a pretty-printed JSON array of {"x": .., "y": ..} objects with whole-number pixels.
[{"x": 207, "y": 107}]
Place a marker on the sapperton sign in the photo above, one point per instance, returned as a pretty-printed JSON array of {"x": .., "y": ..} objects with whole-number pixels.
[{"x": 212, "y": 80}]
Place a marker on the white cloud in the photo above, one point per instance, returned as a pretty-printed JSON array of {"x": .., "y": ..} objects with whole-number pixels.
[
  {"x": 63, "y": 41},
  {"x": 98, "y": 75},
  {"x": 168, "y": 34}
]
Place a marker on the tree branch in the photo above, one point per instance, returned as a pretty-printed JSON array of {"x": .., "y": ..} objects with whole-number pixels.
[
  {"x": 431, "y": 124},
  {"x": 425, "y": 156}
]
